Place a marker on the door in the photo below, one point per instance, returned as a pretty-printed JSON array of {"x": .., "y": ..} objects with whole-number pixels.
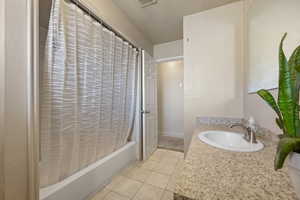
[{"x": 149, "y": 106}]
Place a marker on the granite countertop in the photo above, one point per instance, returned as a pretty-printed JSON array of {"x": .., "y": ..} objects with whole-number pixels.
[{"x": 209, "y": 173}]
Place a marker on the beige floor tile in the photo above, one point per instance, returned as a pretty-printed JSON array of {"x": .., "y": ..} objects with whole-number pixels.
[
  {"x": 126, "y": 187},
  {"x": 179, "y": 155},
  {"x": 115, "y": 196},
  {"x": 158, "y": 180},
  {"x": 149, "y": 164},
  {"x": 167, "y": 195},
  {"x": 163, "y": 152},
  {"x": 149, "y": 192},
  {"x": 155, "y": 158},
  {"x": 100, "y": 195},
  {"x": 171, "y": 184},
  {"x": 175, "y": 154},
  {"x": 157, "y": 155},
  {"x": 138, "y": 174},
  {"x": 170, "y": 160},
  {"x": 164, "y": 168},
  {"x": 179, "y": 166},
  {"x": 115, "y": 181},
  {"x": 128, "y": 169}
]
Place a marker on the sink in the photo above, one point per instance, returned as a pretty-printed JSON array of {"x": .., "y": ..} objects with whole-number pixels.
[{"x": 229, "y": 141}]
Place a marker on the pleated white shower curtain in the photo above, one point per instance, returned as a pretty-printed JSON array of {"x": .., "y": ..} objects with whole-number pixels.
[{"x": 88, "y": 92}]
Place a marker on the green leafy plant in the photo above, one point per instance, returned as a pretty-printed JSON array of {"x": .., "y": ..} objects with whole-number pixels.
[{"x": 287, "y": 106}]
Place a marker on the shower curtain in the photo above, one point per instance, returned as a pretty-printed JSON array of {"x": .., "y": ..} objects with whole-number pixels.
[{"x": 88, "y": 92}]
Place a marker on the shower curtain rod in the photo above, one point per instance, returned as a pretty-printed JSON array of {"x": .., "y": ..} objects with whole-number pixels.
[{"x": 98, "y": 19}]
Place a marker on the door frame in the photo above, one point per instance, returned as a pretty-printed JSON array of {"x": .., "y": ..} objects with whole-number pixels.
[
  {"x": 33, "y": 100},
  {"x": 2, "y": 95},
  {"x": 143, "y": 144},
  {"x": 19, "y": 133},
  {"x": 140, "y": 114}
]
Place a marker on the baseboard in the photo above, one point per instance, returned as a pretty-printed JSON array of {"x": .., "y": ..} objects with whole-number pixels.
[{"x": 172, "y": 134}]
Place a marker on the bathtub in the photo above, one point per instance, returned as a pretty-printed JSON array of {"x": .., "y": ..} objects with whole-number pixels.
[{"x": 88, "y": 181}]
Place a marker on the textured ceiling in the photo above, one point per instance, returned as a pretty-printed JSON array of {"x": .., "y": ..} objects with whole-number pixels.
[{"x": 163, "y": 22}]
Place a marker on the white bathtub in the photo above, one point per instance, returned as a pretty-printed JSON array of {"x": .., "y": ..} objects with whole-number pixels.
[{"x": 88, "y": 181}]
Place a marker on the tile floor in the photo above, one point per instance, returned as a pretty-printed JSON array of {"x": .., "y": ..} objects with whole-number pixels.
[
  {"x": 149, "y": 180},
  {"x": 172, "y": 143}
]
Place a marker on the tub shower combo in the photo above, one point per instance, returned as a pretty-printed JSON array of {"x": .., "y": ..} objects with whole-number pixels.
[{"x": 88, "y": 97}]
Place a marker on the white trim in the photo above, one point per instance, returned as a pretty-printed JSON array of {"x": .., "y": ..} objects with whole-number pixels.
[
  {"x": 142, "y": 106},
  {"x": 169, "y": 59},
  {"x": 172, "y": 134},
  {"x": 33, "y": 98},
  {"x": 138, "y": 118}
]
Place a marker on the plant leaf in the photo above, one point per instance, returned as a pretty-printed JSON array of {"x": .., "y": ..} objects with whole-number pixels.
[
  {"x": 285, "y": 94},
  {"x": 295, "y": 59},
  {"x": 269, "y": 99},
  {"x": 294, "y": 64},
  {"x": 286, "y": 145},
  {"x": 279, "y": 123}
]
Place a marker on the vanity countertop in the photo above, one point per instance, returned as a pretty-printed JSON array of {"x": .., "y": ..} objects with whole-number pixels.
[{"x": 209, "y": 173}]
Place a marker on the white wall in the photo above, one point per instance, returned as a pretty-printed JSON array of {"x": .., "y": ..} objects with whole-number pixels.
[
  {"x": 266, "y": 22},
  {"x": 213, "y": 65},
  {"x": 168, "y": 51},
  {"x": 170, "y": 98},
  {"x": 114, "y": 16}
]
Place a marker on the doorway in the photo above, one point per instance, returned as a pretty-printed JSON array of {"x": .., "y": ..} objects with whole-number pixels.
[{"x": 170, "y": 105}]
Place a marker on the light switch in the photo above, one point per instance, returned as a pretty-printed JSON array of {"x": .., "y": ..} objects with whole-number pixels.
[{"x": 180, "y": 84}]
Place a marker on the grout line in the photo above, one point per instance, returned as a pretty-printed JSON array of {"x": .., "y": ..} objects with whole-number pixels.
[
  {"x": 143, "y": 183},
  {"x": 138, "y": 191},
  {"x": 106, "y": 194}
]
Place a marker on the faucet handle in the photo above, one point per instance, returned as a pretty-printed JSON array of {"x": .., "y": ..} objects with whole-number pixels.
[
  {"x": 251, "y": 121},
  {"x": 251, "y": 124}
]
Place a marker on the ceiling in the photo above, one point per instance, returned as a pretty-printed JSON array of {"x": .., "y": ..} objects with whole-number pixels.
[{"x": 163, "y": 22}]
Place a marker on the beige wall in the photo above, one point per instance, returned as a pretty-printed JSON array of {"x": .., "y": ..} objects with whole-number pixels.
[
  {"x": 170, "y": 98},
  {"x": 112, "y": 15},
  {"x": 2, "y": 91},
  {"x": 168, "y": 51},
  {"x": 213, "y": 65},
  {"x": 266, "y": 21}
]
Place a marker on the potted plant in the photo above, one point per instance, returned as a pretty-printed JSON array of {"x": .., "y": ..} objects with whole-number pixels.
[{"x": 287, "y": 109}]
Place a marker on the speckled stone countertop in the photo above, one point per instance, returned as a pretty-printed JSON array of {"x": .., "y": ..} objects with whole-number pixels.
[{"x": 210, "y": 173}]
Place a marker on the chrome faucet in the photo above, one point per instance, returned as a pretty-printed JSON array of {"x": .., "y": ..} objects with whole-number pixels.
[{"x": 250, "y": 135}]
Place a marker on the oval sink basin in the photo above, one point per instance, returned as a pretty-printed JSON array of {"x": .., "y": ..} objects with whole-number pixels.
[{"x": 229, "y": 141}]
